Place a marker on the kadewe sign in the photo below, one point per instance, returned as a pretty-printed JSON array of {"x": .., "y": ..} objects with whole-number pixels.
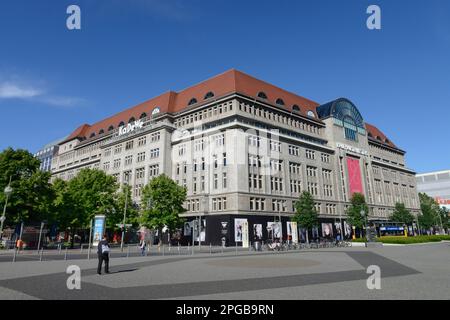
[{"x": 354, "y": 176}]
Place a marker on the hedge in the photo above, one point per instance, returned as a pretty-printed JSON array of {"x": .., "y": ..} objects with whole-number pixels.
[{"x": 408, "y": 240}]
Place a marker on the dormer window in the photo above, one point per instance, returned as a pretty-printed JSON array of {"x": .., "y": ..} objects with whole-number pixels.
[
  {"x": 192, "y": 101},
  {"x": 101, "y": 131},
  {"x": 280, "y": 102},
  {"x": 132, "y": 119},
  {"x": 143, "y": 115},
  {"x": 209, "y": 95},
  {"x": 262, "y": 95},
  {"x": 311, "y": 114},
  {"x": 111, "y": 128},
  {"x": 92, "y": 135},
  {"x": 296, "y": 108},
  {"x": 121, "y": 124}
]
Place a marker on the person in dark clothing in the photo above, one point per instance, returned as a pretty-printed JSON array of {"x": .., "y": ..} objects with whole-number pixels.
[{"x": 103, "y": 255}]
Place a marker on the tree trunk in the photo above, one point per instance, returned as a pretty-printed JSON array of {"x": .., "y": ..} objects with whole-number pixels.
[
  {"x": 72, "y": 238},
  {"x": 307, "y": 237}
]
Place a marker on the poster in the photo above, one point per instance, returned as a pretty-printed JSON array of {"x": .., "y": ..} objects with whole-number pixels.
[
  {"x": 99, "y": 229},
  {"x": 327, "y": 230},
  {"x": 188, "y": 229},
  {"x": 302, "y": 234},
  {"x": 274, "y": 230},
  {"x": 292, "y": 228},
  {"x": 315, "y": 233},
  {"x": 347, "y": 230},
  {"x": 257, "y": 232},
  {"x": 202, "y": 231},
  {"x": 224, "y": 232},
  {"x": 238, "y": 229},
  {"x": 354, "y": 176},
  {"x": 245, "y": 242},
  {"x": 338, "y": 227}
]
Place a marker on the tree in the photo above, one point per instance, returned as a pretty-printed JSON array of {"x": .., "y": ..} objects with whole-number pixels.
[
  {"x": 430, "y": 211},
  {"x": 305, "y": 212},
  {"x": 358, "y": 203},
  {"x": 162, "y": 203},
  {"x": 444, "y": 212},
  {"x": 116, "y": 215},
  {"x": 32, "y": 194},
  {"x": 401, "y": 214},
  {"x": 89, "y": 193}
]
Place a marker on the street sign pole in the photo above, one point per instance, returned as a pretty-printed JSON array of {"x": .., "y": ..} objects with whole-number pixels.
[{"x": 40, "y": 236}]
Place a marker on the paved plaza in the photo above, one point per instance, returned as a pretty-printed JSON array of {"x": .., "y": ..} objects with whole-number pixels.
[{"x": 407, "y": 272}]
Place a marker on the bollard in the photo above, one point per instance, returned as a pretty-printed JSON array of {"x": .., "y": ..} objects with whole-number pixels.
[
  {"x": 236, "y": 247},
  {"x": 169, "y": 246},
  {"x": 164, "y": 250},
  {"x": 81, "y": 249},
  {"x": 15, "y": 253},
  {"x": 222, "y": 249},
  {"x": 178, "y": 248},
  {"x": 210, "y": 252},
  {"x": 89, "y": 254},
  {"x": 128, "y": 251},
  {"x": 188, "y": 248},
  {"x": 59, "y": 248},
  {"x": 65, "y": 254},
  {"x": 40, "y": 255}
]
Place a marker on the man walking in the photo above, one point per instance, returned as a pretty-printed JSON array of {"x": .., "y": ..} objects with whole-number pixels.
[{"x": 103, "y": 255}]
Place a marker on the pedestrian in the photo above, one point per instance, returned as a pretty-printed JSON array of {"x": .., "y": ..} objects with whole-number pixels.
[
  {"x": 142, "y": 246},
  {"x": 103, "y": 255}
]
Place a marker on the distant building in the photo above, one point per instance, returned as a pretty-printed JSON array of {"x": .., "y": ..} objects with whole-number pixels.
[
  {"x": 437, "y": 185},
  {"x": 46, "y": 154}
]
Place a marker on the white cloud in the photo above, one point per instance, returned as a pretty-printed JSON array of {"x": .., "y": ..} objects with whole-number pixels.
[
  {"x": 16, "y": 90},
  {"x": 10, "y": 90}
]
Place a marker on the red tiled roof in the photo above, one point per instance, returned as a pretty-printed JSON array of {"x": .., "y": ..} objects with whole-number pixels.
[
  {"x": 378, "y": 136},
  {"x": 231, "y": 81}
]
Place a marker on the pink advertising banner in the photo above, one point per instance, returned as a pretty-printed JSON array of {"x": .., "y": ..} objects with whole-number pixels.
[{"x": 354, "y": 176}]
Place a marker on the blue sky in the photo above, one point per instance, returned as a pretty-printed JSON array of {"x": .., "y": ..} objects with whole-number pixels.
[{"x": 52, "y": 79}]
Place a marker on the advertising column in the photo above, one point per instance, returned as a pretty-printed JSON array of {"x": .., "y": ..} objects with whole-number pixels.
[{"x": 99, "y": 229}]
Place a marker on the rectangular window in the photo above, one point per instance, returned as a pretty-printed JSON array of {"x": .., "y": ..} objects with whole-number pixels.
[
  {"x": 129, "y": 145},
  {"x": 155, "y": 136},
  {"x": 142, "y": 141},
  {"x": 154, "y": 153},
  {"x": 128, "y": 160},
  {"x": 141, "y": 157},
  {"x": 224, "y": 180}
]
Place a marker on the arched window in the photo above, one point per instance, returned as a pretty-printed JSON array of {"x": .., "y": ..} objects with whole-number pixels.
[
  {"x": 192, "y": 101},
  {"x": 296, "y": 108},
  {"x": 92, "y": 135},
  {"x": 378, "y": 138},
  {"x": 262, "y": 95},
  {"x": 311, "y": 114},
  {"x": 121, "y": 124},
  {"x": 101, "y": 131},
  {"x": 280, "y": 102},
  {"x": 209, "y": 95},
  {"x": 111, "y": 128},
  {"x": 132, "y": 119},
  {"x": 370, "y": 135},
  {"x": 143, "y": 115},
  {"x": 156, "y": 111}
]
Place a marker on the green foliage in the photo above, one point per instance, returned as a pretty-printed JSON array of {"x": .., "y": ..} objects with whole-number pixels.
[
  {"x": 358, "y": 203},
  {"x": 430, "y": 211},
  {"x": 401, "y": 214},
  {"x": 408, "y": 240},
  {"x": 445, "y": 217},
  {"x": 305, "y": 211},
  {"x": 89, "y": 193},
  {"x": 166, "y": 198},
  {"x": 32, "y": 194},
  {"x": 116, "y": 215}
]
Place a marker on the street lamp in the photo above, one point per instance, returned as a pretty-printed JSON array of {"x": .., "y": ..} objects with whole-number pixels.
[
  {"x": 364, "y": 216},
  {"x": 8, "y": 190},
  {"x": 124, "y": 216}
]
